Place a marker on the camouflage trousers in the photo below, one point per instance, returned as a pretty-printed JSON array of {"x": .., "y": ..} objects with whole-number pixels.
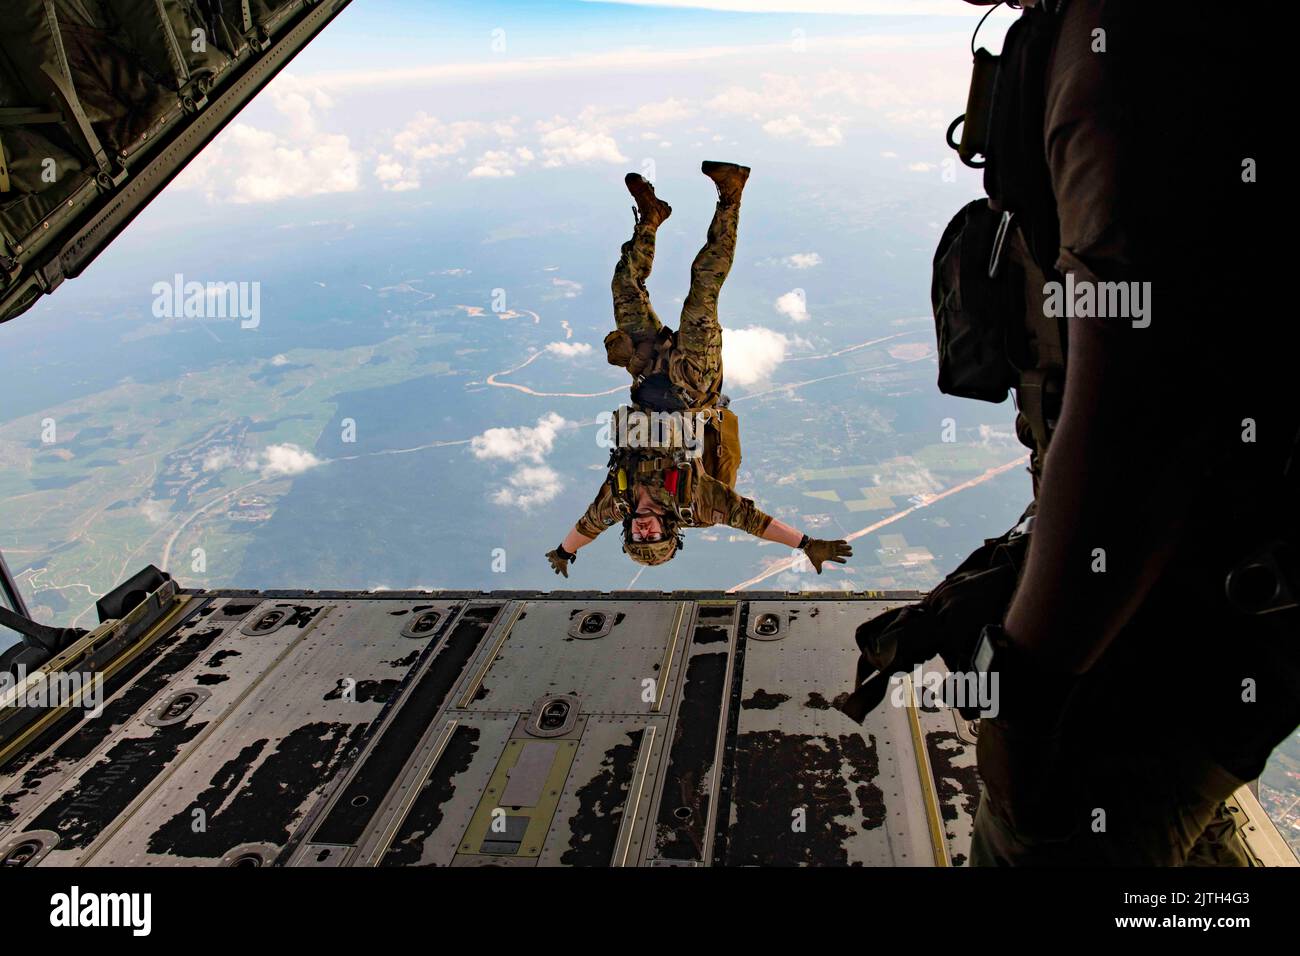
[
  {"x": 695, "y": 362},
  {"x": 1160, "y": 810}
]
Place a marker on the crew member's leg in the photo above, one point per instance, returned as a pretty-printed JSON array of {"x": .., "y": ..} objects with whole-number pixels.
[
  {"x": 632, "y": 311},
  {"x": 699, "y": 336},
  {"x": 1218, "y": 844},
  {"x": 1130, "y": 808}
]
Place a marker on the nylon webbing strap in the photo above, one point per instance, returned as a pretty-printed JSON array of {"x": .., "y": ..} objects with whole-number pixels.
[
  {"x": 59, "y": 76},
  {"x": 1029, "y": 395},
  {"x": 4, "y": 168},
  {"x": 26, "y": 116},
  {"x": 179, "y": 67},
  {"x": 1044, "y": 333}
]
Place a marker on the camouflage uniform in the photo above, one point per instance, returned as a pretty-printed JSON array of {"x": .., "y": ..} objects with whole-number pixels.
[
  {"x": 712, "y": 502},
  {"x": 691, "y": 357}
]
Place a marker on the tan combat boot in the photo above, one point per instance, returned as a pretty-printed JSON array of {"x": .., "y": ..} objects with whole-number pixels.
[
  {"x": 651, "y": 210},
  {"x": 728, "y": 177}
]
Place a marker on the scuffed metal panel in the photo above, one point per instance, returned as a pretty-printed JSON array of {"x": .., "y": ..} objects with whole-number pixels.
[
  {"x": 607, "y": 674},
  {"x": 808, "y": 786},
  {"x": 245, "y": 670},
  {"x": 432, "y": 830},
  {"x": 387, "y": 756},
  {"x": 256, "y": 775},
  {"x": 102, "y": 765},
  {"x": 739, "y": 729},
  {"x": 951, "y": 748},
  {"x": 35, "y": 770},
  {"x": 687, "y": 801},
  {"x": 516, "y": 809},
  {"x": 595, "y": 816}
]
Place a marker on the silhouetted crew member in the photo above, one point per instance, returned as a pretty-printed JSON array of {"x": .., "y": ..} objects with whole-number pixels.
[
  {"x": 680, "y": 372},
  {"x": 1147, "y": 662}
]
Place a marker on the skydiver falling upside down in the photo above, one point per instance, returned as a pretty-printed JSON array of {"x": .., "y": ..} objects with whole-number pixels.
[{"x": 656, "y": 492}]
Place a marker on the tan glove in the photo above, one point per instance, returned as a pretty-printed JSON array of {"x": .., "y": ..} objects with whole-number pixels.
[
  {"x": 820, "y": 551},
  {"x": 560, "y": 561}
]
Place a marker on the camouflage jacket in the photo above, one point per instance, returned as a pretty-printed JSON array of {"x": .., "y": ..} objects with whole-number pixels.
[{"x": 712, "y": 503}]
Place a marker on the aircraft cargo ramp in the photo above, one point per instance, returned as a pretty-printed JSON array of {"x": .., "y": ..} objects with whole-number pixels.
[{"x": 397, "y": 729}]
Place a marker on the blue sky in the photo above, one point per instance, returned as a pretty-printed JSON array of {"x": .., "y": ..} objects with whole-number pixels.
[
  {"x": 400, "y": 93},
  {"x": 407, "y": 108},
  {"x": 459, "y": 30}
]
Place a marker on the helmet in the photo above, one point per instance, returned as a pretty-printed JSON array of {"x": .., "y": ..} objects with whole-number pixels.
[{"x": 651, "y": 552}]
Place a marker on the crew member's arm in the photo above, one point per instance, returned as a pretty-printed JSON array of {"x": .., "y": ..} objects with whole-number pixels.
[
  {"x": 1109, "y": 504},
  {"x": 1116, "y": 479},
  {"x": 600, "y": 514},
  {"x": 742, "y": 514}
]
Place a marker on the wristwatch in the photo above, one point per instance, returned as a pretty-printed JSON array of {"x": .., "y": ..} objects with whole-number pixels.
[{"x": 993, "y": 650}]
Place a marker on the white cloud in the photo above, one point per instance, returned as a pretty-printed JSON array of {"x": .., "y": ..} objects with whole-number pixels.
[
  {"x": 154, "y": 511},
  {"x": 498, "y": 163},
  {"x": 588, "y": 138},
  {"x": 794, "y": 306},
  {"x": 922, "y": 167},
  {"x": 750, "y": 355},
  {"x": 515, "y": 444},
  {"x": 219, "y": 459},
  {"x": 250, "y": 165},
  {"x": 395, "y": 177},
  {"x": 274, "y": 461},
  {"x": 569, "y": 144},
  {"x": 280, "y": 360},
  {"x": 426, "y": 142},
  {"x": 568, "y": 288},
  {"x": 793, "y": 107},
  {"x": 803, "y": 260},
  {"x": 569, "y": 349},
  {"x": 533, "y": 482},
  {"x": 529, "y": 487},
  {"x": 671, "y": 110},
  {"x": 793, "y": 127},
  {"x": 287, "y": 459},
  {"x": 816, "y": 108}
]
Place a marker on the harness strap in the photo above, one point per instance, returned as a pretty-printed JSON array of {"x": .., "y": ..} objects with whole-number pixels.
[{"x": 1029, "y": 396}]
